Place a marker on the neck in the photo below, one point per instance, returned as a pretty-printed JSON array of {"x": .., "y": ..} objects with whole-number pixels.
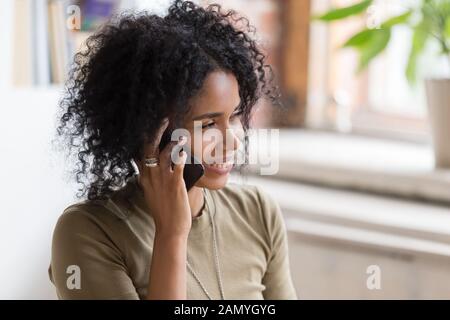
[{"x": 196, "y": 201}]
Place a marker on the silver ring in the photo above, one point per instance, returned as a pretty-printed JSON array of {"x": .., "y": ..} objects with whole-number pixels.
[{"x": 151, "y": 162}]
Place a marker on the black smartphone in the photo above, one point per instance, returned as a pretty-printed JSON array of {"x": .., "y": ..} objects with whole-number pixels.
[{"x": 193, "y": 169}]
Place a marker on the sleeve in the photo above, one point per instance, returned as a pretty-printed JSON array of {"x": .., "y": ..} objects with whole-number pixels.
[
  {"x": 277, "y": 278},
  {"x": 85, "y": 263}
]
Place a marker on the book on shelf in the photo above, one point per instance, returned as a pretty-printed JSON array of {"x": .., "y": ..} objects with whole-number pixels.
[
  {"x": 41, "y": 57},
  {"x": 22, "y": 44},
  {"x": 59, "y": 51},
  {"x": 43, "y": 43}
]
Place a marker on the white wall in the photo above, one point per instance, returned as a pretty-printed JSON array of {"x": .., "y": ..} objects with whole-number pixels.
[
  {"x": 6, "y": 40},
  {"x": 33, "y": 192}
]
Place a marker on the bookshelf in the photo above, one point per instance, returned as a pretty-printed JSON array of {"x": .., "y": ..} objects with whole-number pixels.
[
  {"x": 45, "y": 38},
  {"x": 42, "y": 37},
  {"x": 37, "y": 46}
]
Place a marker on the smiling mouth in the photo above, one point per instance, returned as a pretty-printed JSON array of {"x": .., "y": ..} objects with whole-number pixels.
[{"x": 220, "y": 168}]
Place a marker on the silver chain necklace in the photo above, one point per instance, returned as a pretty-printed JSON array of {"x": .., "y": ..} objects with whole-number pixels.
[{"x": 216, "y": 256}]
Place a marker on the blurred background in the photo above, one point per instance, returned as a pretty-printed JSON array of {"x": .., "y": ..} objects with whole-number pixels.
[{"x": 363, "y": 149}]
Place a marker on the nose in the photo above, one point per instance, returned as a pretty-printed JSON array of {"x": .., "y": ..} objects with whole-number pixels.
[
  {"x": 225, "y": 148},
  {"x": 231, "y": 144}
]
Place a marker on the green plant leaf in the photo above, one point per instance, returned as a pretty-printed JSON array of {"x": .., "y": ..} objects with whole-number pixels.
[
  {"x": 378, "y": 42},
  {"x": 447, "y": 27},
  {"x": 419, "y": 39},
  {"x": 403, "y": 18},
  {"x": 359, "y": 38},
  {"x": 341, "y": 13}
]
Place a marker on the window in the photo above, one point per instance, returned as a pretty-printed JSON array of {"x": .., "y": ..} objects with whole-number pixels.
[{"x": 379, "y": 100}]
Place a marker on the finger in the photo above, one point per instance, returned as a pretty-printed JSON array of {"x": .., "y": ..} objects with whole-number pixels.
[
  {"x": 165, "y": 157},
  {"x": 160, "y": 132},
  {"x": 152, "y": 149},
  {"x": 145, "y": 173},
  {"x": 148, "y": 173},
  {"x": 179, "y": 166},
  {"x": 144, "y": 176},
  {"x": 175, "y": 154},
  {"x": 142, "y": 168}
]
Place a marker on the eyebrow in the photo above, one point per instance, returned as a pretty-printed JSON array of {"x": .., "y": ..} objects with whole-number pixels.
[
  {"x": 212, "y": 114},
  {"x": 208, "y": 115}
]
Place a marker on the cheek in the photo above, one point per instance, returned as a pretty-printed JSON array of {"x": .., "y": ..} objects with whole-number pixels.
[
  {"x": 199, "y": 144},
  {"x": 209, "y": 146},
  {"x": 237, "y": 129},
  {"x": 205, "y": 146}
]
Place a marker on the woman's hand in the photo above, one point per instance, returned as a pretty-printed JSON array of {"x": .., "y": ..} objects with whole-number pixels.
[
  {"x": 164, "y": 188},
  {"x": 167, "y": 199}
]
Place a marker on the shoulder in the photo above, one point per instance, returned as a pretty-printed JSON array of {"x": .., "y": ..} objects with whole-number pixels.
[
  {"x": 80, "y": 212},
  {"x": 86, "y": 233},
  {"x": 252, "y": 202},
  {"x": 78, "y": 218},
  {"x": 252, "y": 195},
  {"x": 86, "y": 218},
  {"x": 245, "y": 193},
  {"x": 104, "y": 213},
  {"x": 245, "y": 196},
  {"x": 86, "y": 236}
]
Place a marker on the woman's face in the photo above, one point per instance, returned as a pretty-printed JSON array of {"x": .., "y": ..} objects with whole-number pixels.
[{"x": 215, "y": 128}]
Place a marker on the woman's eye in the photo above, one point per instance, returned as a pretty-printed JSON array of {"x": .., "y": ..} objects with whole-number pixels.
[
  {"x": 236, "y": 115},
  {"x": 208, "y": 125}
]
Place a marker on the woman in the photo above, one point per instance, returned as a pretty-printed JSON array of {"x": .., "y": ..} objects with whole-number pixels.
[{"x": 151, "y": 238}]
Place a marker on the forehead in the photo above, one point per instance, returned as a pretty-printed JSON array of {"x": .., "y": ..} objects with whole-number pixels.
[{"x": 219, "y": 93}]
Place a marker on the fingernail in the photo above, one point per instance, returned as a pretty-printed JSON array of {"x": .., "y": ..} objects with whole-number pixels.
[{"x": 182, "y": 140}]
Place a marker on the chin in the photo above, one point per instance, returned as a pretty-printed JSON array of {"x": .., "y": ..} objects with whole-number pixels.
[{"x": 215, "y": 176}]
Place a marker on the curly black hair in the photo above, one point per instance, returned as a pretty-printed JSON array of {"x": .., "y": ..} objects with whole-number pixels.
[{"x": 140, "y": 68}]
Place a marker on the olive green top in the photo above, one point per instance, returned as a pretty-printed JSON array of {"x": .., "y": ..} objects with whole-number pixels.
[{"x": 102, "y": 249}]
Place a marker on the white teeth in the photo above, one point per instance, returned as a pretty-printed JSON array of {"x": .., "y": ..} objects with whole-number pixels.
[{"x": 221, "y": 165}]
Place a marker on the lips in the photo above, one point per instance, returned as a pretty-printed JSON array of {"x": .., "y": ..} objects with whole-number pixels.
[{"x": 221, "y": 168}]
